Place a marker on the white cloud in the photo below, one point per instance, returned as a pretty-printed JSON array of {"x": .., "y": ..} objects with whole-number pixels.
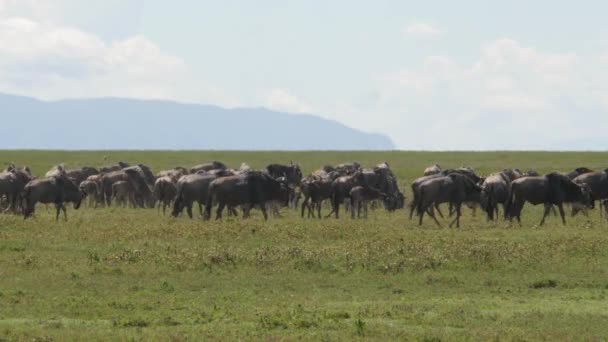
[
  {"x": 512, "y": 96},
  {"x": 421, "y": 30},
  {"x": 47, "y": 60},
  {"x": 282, "y": 100}
]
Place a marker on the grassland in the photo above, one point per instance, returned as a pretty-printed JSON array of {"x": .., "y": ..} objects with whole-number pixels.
[{"x": 135, "y": 275}]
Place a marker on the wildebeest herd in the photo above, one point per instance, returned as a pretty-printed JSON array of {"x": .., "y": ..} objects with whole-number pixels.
[{"x": 214, "y": 185}]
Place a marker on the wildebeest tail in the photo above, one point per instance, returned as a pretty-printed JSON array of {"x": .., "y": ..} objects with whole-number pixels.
[{"x": 509, "y": 203}]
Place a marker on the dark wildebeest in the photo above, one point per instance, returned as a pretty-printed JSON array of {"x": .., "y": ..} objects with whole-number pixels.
[
  {"x": 292, "y": 173},
  {"x": 341, "y": 187},
  {"x": 12, "y": 183},
  {"x": 194, "y": 188},
  {"x": 57, "y": 190},
  {"x": 432, "y": 170},
  {"x": 316, "y": 188},
  {"x": 248, "y": 189},
  {"x": 597, "y": 183},
  {"x": 361, "y": 195},
  {"x": 214, "y": 165},
  {"x": 551, "y": 189},
  {"x": 455, "y": 189},
  {"x": 495, "y": 191},
  {"x": 577, "y": 172},
  {"x": 416, "y": 193},
  {"x": 165, "y": 192},
  {"x": 80, "y": 175}
]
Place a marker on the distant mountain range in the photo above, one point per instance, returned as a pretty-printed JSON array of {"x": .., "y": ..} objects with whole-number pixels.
[{"x": 113, "y": 123}]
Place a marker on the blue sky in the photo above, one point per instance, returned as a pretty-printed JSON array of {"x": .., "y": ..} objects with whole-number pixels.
[{"x": 431, "y": 75}]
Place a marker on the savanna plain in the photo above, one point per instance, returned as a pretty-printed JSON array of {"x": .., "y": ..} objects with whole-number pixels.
[{"x": 127, "y": 274}]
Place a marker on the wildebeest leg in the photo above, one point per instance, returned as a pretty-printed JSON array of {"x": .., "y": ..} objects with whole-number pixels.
[
  {"x": 561, "y": 213},
  {"x": 218, "y": 213},
  {"x": 318, "y": 209},
  {"x": 548, "y": 207},
  {"x": 304, "y": 206},
  {"x": 189, "y": 209},
  {"x": 263, "y": 208},
  {"x": 58, "y": 210},
  {"x": 364, "y": 210},
  {"x": 65, "y": 212},
  {"x": 457, "y": 208},
  {"x": 432, "y": 214},
  {"x": 439, "y": 210}
]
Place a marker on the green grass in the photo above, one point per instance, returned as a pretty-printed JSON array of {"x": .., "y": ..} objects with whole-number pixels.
[{"x": 128, "y": 274}]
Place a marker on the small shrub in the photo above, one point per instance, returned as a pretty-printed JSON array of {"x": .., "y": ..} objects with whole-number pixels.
[{"x": 542, "y": 284}]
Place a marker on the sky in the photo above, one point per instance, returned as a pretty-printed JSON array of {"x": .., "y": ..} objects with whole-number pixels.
[{"x": 432, "y": 75}]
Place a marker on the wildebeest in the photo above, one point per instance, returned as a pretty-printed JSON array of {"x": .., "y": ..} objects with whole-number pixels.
[
  {"x": 214, "y": 165},
  {"x": 432, "y": 170},
  {"x": 361, "y": 195},
  {"x": 292, "y": 173},
  {"x": 415, "y": 186},
  {"x": 134, "y": 175},
  {"x": 495, "y": 191},
  {"x": 81, "y": 174},
  {"x": 91, "y": 188},
  {"x": 12, "y": 183},
  {"x": 111, "y": 168},
  {"x": 578, "y": 171},
  {"x": 597, "y": 183},
  {"x": 56, "y": 189},
  {"x": 341, "y": 187},
  {"x": 194, "y": 188},
  {"x": 164, "y": 191},
  {"x": 316, "y": 188},
  {"x": 455, "y": 189},
  {"x": 249, "y": 189},
  {"x": 551, "y": 189},
  {"x": 175, "y": 174},
  {"x": 123, "y": 194},
  {"x": 347, "y": 169}
]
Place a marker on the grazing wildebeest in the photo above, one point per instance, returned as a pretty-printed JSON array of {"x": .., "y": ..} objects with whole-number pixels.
[
  {"x": 214, "y": 165},
  {"x": 432, "y": 170},
  {"x": 292, "y": 173},
  {"x": 56, "y": 189},
  {"x": 551, "y": 189},
  {"x": 597, "y": 183},
  {"x": 123, "y": 193},
  {"x": 194, "y": 188},
  {"x": 360, "y": 196},
  {"x": 455, "y": 189},
  {"x": 248, "y": 189},
  {"x": 495, "y": 191},
  {"x": 12, "y": 183},
  {"x": 341, "y": 187},
  {"x": 91, "y": 188},
  {"x": 164, "y": 191}
]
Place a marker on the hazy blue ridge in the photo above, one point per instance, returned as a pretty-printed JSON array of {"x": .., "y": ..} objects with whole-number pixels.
[{"x": 114, "y": 123}]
